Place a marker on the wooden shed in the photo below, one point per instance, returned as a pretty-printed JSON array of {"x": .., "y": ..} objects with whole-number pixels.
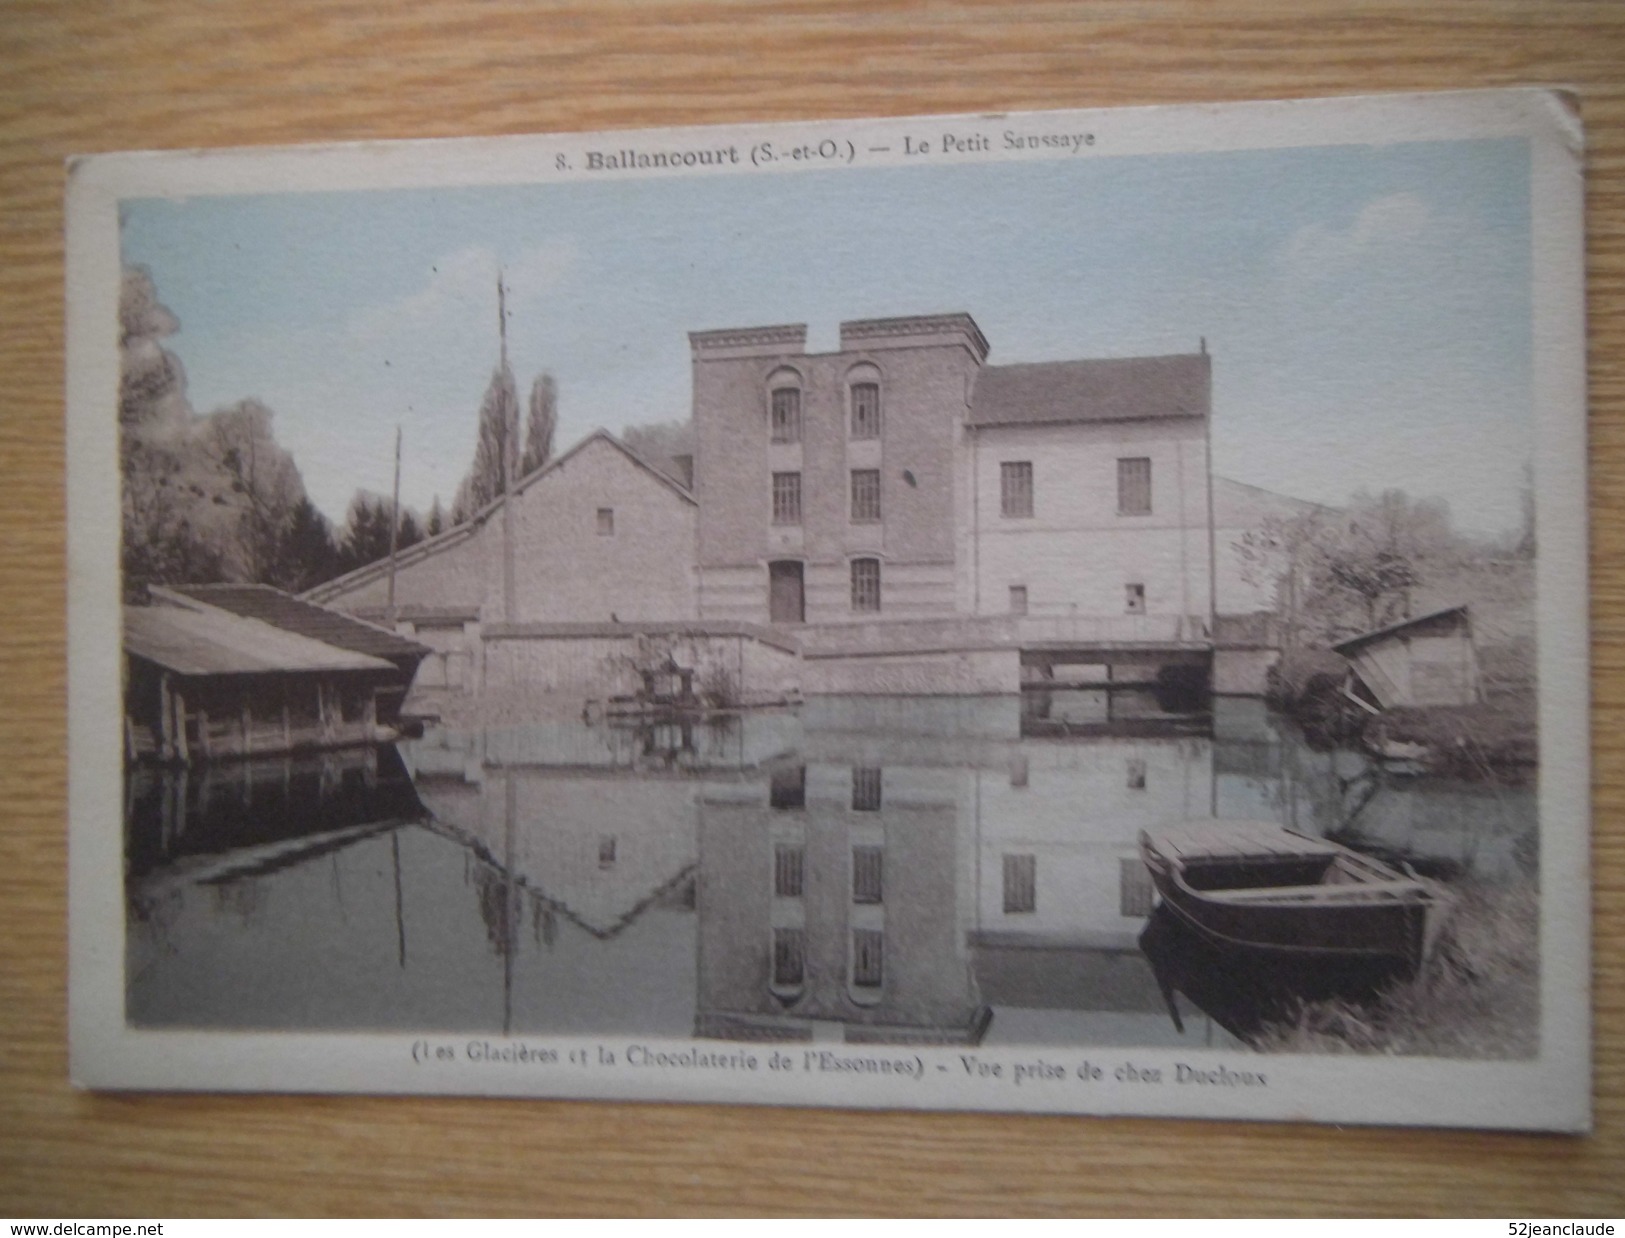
[
  {"x": 1429, "y": 660},
  {"x": 203, "y": 683}
]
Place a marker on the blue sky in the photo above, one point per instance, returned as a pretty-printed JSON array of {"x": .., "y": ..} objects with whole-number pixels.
[{"x": 1367, "y": 308}]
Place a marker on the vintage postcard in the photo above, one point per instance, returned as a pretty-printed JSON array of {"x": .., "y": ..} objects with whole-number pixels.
[{"x": 1075, "y": 612}]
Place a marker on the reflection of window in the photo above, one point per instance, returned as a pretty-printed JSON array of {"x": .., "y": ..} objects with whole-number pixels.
[
  {"x": 1018, "y": 599},
  {"x": 865, "y": 496},
  {"x": 1020, "y": 884},
  {"x": 1133, "y": 888},
  {"x": 786, "y": 415},
  {"x": 789, "y": 956},
  {"x": 868, "y": 874},
  {"x": 1134, "y": 486},
  {"x": 789, "y": 787},
  {"x": 606, "y": 851},
  {"x": 1018, "y": 771},
  {"x": 1136, "y": 773},
  {"x": 867, "y": 949},
  {"x": 865, "y": 410},
  {"x": 1134, "y": 599},
  {"x": 606, "y": 522},
  {"x": 787, "y": 498},
  {"x": 866, "y": 585},
  {"x": 788, "y": 871},
  {"x": 866, "y": 790},
  {"x": 1016, "y": 488}
]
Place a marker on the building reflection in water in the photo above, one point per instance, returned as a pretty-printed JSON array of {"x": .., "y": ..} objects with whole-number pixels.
[{"x": 863, "y": 869}]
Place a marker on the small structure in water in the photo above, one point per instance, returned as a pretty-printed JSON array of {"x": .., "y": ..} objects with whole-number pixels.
[
  {"x": 1429, "y": 660},
  {"x": 204, "y": 681}
]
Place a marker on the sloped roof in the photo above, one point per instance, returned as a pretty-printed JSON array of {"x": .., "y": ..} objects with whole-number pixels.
[
  {"x": 291, "y": 614},
  {"x": 1240, "y": 505},
  {"x": 217, "y": 642},
  {"x": 1110, "y": 389},
  {"x": 459, "y": 533},
  {"x": 1397, "y": 629}
]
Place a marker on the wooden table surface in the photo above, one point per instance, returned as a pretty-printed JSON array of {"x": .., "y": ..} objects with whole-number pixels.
[{"x": 168, "y": 73}]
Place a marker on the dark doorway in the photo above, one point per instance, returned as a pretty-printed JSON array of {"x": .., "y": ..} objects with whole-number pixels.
[{"x": 786, "y": 597}]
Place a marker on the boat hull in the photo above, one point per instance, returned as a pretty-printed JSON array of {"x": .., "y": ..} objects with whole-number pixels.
[{"x": 1374, "y": 924}]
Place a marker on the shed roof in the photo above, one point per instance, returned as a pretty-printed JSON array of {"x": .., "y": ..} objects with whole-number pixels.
[
  {"x": 1110, "y": 389},
  {"x": 1397, "y": 629},
  {"x": 291, "y": 614},
  {"x": 216, "y": 642}
]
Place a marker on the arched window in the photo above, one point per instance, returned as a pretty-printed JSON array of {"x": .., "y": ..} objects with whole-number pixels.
[
  {"x": 863, "y": 401},
  {"x": 784, "y": 406}
]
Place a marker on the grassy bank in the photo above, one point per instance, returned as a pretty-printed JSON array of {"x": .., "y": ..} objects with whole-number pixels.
[{"x": 1477, "y": 997}]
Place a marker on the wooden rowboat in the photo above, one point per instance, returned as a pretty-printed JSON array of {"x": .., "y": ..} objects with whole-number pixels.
[{"x": 1253, "y": 884}]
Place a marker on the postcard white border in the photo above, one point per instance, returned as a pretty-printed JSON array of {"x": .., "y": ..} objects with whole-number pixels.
[{"x": 1551, "y": 1091}]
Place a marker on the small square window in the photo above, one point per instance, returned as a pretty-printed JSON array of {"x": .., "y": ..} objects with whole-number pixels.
[
  {"x": 606, "y": 522},
  {"x": 1134, "y": 599},
  {"x": 1016, "y": 488},
  {"x": 1018, "y": 599}
]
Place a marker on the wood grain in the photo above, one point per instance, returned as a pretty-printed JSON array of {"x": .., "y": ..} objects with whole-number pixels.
[{"x": 165, "y": 73}]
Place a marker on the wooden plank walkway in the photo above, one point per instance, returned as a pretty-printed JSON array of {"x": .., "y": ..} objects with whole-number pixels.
[{"x": 1235, "y": 840}]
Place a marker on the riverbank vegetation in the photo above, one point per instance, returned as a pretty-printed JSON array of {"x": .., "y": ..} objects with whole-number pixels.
[{"x": 1477, "y": 996}]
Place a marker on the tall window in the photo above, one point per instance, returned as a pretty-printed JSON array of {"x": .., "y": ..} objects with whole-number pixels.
[
  {"x": 865, "y": 496},
  {"x": 865, "y": 410},
  {"x": 868, "y": 949},
  {"x": 868, "y": 873},
  {"x": 1020, "y": 884},
  {"x": 789, "y": 957},
  {"x": 1016, "y": 488},
  {"x": 1133, "y": 888},
  {"x": 1018, "y": 599},
  {"x": 866, "y": 789},
  {"x": 606, "y": 851},
  {"x": 787, "y": 787},
  {"x": 606, "y": 522},
  {"x": 787, "y": 498},
  {"x": 786, "y": 415},
  {"x": 1134, "y": 486},
  {"x": 866, "y": 585},
  {"x": 789, "y": 869}
]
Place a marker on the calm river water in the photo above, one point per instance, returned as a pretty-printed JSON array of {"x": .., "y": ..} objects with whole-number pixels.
[{"x": 864, "y": 869}]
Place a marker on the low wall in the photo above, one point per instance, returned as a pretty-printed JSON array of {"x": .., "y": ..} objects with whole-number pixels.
[
  {"x": 598, "y": 661},
  {"x": 1243, "y": 672},
  {"x": 970, "y": 673}
]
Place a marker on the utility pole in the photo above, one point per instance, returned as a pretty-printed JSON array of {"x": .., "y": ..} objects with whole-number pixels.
[
  {"x": 394, "y": 525},
  {"x": 509, "y": 432}
]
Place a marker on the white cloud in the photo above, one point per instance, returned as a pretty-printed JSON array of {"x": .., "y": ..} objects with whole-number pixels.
[{"x": 1382, "y": 226}]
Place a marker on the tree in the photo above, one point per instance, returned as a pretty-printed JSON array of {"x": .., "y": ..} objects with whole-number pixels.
[
  {"x": 436, "y": 524},
  {"x": 265, "y": 489},
  {"x": 308, "y": 554},
  {"x": 496, "y": 455},
  {"x": 539, "y": 428}
]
